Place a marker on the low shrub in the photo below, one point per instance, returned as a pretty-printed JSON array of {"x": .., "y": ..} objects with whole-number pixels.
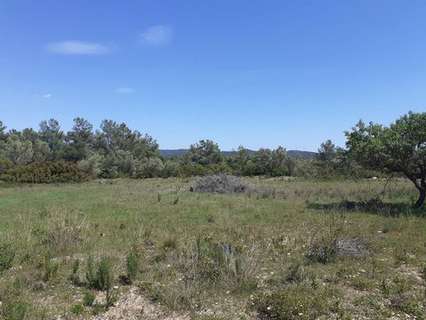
[
  {"x": 220, "y": 183},
  {"x": 88, "y": 298},
  {"x": 296, "y": 302},
  {"x": 7, "y": 255},
  {"x": 75, "y": 277},
  {"x": 132, "y": 264},
  {"x": 50, "y": 268},
  {"x": 14, "y": 310},
  {"x": 77, "y": 309},
  {"x": 100, "y": 277},
  {"x": 45, "y": 172}
]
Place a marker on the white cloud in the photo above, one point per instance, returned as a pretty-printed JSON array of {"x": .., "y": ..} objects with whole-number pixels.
[
  {"x": 157, "y": 35},
  {"x": 124, "y": 90},
  {"x": 47, "y": 95},
  {"x": 73, "y": 47}
]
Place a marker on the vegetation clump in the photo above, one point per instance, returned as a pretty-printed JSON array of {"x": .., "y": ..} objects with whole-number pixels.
[
  {"x": 220, "y": 183},
  {"x": 296, "y": 302},
  {"x": 7, "y": 255}
]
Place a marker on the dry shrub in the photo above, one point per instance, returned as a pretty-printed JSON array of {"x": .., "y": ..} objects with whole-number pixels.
[
  {"x": 220, "y": 183},
  {"x": 216, "y": 262},
  {"x": 62, "y": 231}
]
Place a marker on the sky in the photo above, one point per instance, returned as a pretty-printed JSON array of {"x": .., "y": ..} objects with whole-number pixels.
[{"x": 255, "y": 73}]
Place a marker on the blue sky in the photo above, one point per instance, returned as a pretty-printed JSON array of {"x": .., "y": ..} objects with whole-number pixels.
[{"x": 253, "y": 73}]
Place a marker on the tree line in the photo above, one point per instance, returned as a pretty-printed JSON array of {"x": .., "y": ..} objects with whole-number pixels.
[{"x": 114, "y": 150}]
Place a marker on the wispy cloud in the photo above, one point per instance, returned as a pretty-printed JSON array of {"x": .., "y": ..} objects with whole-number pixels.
[
  {"x": 74, "y": 47},
  {"x": 124, "y": 90},
  {"x": 47, "y": 95},
  {"x": 159, "y": 35}
]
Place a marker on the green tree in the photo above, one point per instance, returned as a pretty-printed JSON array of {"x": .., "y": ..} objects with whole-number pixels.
[
  {"x": 51, "y": 133},
  {"x": 326, "y": 160},
  {"x": 262, "y": 161},
  {"x": 18, "y": 150},
  {"x": 399, "y": 148},
  {"x": 239, "y": 160},
  {"x": 327, "y": 151},
  {"x": 281, "y": 164},
  {"x": 3, "y": 134},
  {"x": 79, "y": 140},
  {"x": 205, "y": 152}
]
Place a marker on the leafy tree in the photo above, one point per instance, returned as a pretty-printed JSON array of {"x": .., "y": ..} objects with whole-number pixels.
[
  {"x": 51, "y": 133},
  {"x": 326, "y": 160},
  {"x": 399, "y": 148},
  {"x": 18, "y": 150},
  {"x": 114, "y": 137},
  {"x": 79, "y": 140},
  {"x": 205, "y": 152},
  {"x": 262, "y": 162},
  {"x": 327, "y": 151},
  {"x": 239, "y": 161},
  {"x": 281, "y": 164},
  {"x": 3, "y": 134}
]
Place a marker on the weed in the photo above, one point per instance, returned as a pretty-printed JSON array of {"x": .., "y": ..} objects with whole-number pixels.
[
  {"x": 91, "y": 273},
  {"x": 7, "y": 255},
  {"x": 75, "y": 277},
  {"x": 50, "y": 268},
  {"x": 101, "y": 278},
  {"x": 77, "y": 309},
  {"x": 170, "y": 243},
  {"x": 296, "y": 302},
  {"x": 88, "y": 298},
  {"x": 14, "y": 310},
  {"x": 132, "y": 264}
]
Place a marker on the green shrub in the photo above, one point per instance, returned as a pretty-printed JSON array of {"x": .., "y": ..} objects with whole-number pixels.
[
  {"x": 169, "y": 244},
  {"x": 7, "y": 255},
  {"x": 91, "y": 273},
  {"x": 45, "y": 172},
  {"x": 322, "y": 252},
  {"x": 104, "y": 279},
  {"x": 296, "y": 302},
  {"x": 88, "y": 298},
  {"x": 132, "y": 264},
  {"x": 101, "y": 278},
  {"x": 50, "y": 268},
  {"x": 14, "y": 310},
  {"x": 77, "y": 309},
  {"x": 75, "y": 277}
]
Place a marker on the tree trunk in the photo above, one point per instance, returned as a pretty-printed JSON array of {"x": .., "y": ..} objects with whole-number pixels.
[{"x": 422, "y": 197}]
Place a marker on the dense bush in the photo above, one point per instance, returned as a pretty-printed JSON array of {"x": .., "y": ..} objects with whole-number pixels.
[
  {"x": 51, "y": 155},
  {"x": 7, "y": 255},
  {"x": 45, "y": 172}
]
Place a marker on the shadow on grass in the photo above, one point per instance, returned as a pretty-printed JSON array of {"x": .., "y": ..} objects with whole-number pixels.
[{"x": 373, "y": 206}]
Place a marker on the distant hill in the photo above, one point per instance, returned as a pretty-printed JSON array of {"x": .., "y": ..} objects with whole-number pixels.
[{"x": 169, "y": 153}]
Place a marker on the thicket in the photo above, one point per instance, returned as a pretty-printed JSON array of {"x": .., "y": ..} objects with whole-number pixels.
[{"x": 50, "y": 155}]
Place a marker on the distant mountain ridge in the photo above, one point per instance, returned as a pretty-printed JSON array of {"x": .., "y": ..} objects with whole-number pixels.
[{"x": 299, "y": 154}]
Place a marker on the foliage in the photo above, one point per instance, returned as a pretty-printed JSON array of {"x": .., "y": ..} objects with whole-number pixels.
[
  {"x": 88, "y": 298},
  {"x": 296, "y": 302},
  {"x": 45, "y": 172},
  {"x": 100, "y": 277},
  {"x": 399, "y": 148},
  {"x": 116, "y": 151},
  {"x": 132, "y": 265},
  {"x": 7, "y": 255}
]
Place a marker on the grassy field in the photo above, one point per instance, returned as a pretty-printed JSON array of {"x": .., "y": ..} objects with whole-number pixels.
[{"x": 293, "y": 250}]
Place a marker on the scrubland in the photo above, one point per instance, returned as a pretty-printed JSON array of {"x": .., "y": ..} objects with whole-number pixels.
[{"x": 286, "y": 249}]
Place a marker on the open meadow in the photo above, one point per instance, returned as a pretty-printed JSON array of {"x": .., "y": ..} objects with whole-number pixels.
[{"x": 287, "y": 249}]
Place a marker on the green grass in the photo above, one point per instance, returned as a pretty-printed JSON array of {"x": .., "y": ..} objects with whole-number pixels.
[{"x": 224, "y": 253}]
